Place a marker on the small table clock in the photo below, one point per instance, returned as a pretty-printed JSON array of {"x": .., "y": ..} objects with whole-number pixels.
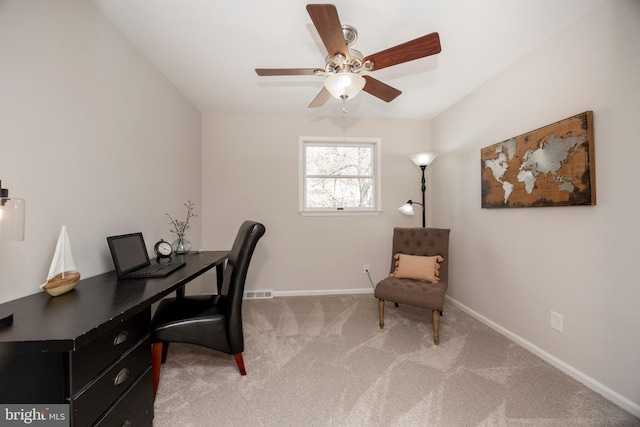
[{"x": 163, "y": 249}]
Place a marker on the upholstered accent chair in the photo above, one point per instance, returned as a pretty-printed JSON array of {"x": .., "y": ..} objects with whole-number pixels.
[
  {"x": 409, "y": 286},
  {"x": 213, "y": 321}
]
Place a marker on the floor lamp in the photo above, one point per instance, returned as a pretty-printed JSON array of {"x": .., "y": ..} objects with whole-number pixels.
[{"x": 422, "y": 160}]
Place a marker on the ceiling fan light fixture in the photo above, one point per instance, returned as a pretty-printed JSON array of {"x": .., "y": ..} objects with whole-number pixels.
[
  {"x": 343, "y": 64},
  {"x": 344, "y": 85}
]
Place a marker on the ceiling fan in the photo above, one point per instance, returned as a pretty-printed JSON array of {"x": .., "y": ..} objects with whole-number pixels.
[{"x": 343, "y": 64}]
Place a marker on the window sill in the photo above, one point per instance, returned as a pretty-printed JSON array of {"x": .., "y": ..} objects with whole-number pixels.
[{"x": 339, "y": 213}]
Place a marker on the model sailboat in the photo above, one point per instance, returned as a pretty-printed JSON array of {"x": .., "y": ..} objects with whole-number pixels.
[{"x": 63, "y": 275}]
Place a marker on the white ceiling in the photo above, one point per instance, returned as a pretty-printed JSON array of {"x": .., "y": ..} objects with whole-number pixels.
[{"x": 210, "y": 48}]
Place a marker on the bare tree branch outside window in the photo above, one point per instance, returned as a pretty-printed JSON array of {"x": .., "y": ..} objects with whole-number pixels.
[{"x": 339, "y": 176}]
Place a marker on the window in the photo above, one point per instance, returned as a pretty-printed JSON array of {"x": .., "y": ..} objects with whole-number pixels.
[{"x": 339, "y": 176}]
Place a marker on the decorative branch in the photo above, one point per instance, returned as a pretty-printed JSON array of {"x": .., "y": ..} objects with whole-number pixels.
[{"x": 179, "y": 227}]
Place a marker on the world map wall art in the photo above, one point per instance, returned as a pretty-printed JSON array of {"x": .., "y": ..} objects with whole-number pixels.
[{"x": 550, "y": 166}]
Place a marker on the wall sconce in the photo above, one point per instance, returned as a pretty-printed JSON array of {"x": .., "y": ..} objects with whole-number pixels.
[
  {"x": 11, "y": 216},
  {"x": 422, "y": 160}
]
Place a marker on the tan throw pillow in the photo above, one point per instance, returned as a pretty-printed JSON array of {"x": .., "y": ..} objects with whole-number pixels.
[{"x": 417, "y": 267}]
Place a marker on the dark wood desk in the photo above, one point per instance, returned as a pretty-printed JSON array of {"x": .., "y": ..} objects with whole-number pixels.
[{"x": 91, "y": 347}]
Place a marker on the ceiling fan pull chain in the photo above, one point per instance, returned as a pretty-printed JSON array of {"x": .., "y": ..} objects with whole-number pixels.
[{"x": 344, "y": 105}]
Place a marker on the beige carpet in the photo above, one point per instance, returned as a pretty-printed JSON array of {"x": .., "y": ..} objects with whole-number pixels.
[{"x": 323, "y": 361}]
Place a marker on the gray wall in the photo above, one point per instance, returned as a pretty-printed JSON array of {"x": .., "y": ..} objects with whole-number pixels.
[
  {"x": 91, "y": 135},
  {"x": 250, "y": 170},
  {"x": 513, "y": 266}
]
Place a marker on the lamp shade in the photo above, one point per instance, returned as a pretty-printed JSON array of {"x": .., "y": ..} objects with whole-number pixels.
[
  {"x": 12, "y": 219},
  {"x": 423, "y": 159},
  {"x": 407, "y": 209},
  {"x": 344, "y": 85},
  {"x": 11, "y": 216}
]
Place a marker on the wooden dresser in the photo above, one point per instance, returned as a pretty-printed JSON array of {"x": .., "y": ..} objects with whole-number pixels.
[{"x": 90, "y": 348}]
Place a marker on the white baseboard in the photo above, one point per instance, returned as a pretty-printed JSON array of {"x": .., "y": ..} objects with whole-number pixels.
[
  {"x": 594, "y": 385},
  {"x": 323, "y": 292}
]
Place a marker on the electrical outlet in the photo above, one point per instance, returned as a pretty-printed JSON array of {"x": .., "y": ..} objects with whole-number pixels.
[
  {"x": 556, "y": 321},
  {"x": 365, "y": 269}
]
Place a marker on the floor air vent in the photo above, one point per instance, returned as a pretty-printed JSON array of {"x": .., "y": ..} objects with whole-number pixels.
[{"x": 258, "y": 295}]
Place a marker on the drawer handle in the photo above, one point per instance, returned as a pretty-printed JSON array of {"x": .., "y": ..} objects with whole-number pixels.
[
  {"x": 121, "y": 337},
  {"x": 127, "y": 423},
  {"x": 121, "y": 377}
]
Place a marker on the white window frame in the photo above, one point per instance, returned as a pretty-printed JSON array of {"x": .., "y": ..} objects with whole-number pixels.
[{"x": 305, "y": 141}]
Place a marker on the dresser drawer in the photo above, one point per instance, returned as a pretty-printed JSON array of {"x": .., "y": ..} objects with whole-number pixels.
[
  {"x": 134, "y": 408},
  {"x": 88, "y": 361},
  {"x": 99, "y": 395}
]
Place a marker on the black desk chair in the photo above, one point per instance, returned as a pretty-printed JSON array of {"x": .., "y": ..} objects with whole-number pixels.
[{"x": 213, "y": 321}]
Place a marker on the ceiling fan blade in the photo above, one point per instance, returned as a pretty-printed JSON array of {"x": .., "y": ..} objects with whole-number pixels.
[
  {"x": 288, "y": 71},
  {"x": 327, "y": 23},
  {"x": 321, "y": 98},
  {"x": 380, "y": 90},
  {"x": 414, "y": 49}
]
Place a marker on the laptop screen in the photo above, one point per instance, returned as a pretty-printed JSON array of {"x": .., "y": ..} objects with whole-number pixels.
[{"x": 128, "y": 252}]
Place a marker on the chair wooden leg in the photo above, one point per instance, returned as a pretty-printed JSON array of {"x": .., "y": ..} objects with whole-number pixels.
[
  {"x": 156, "y": 364},
  {"x": 436, "y": 327},
  {"x": 381, "y": 311},
  {"x": 240, "y": 363}
]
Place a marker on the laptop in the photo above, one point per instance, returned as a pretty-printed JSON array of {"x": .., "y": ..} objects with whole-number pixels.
[{"x": 131, "y": 259}]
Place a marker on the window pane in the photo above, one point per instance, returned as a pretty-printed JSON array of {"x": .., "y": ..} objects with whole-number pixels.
[
  {"x": 339, "y": 192},
  {"x": 339, "y": 160},
  {"x": 339, "y": 175}
]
